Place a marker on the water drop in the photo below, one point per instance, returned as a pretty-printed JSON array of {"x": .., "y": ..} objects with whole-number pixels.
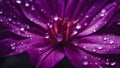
[
  {"x": 13, "y": 47},
  {"x": 18, "y": 33},
  {"x": 85, "y": 57},
  {"x": 107, "y": 63},
  {"x": 10, "y": 19},
  {"x": 22, "y": 29},
  {"x": 99, "y": 59},
  {"x": 28, "y": 47},
  {"x": 75, "y": 42},
  {"x": 111, "y": 41},
  {"x": 96, "y": 63},
  {"x": 94, "y": 50},
  {"x": 74, "y": 32},
  {"x": 86, "y": 16},
  {"x": 31, "y": 0},
  {"x": 42, "y": 10},
  {"x": 105, "y": 38},
  {"x": 103, "y": 11},
  {"x": 32, "y": 8},
  {"x": 113, "y": 63},
  {"x": 100, "y": 67},
  {"x": 26, "y": 4},
  {"x": 1, "y": 12},
  {"x": 102, "y": 14},
  {"x": 56, "y": 18},
  {"x": 85, "y": 24},
  {"x": 94, "y": 30},
  {"x": 100, "y": 47},
  {"x": 39, "y": 49},
  {"x": 1, "y": 20},
  {"x": 78, "y": 26},
  {"x": 50, "y": 24},
  {"x": 118, "y": 23},
  {"x": 85, "y": 63},
  {"x": 46, "y": 35},
  {"x": 18, "y": 1},
  {"x": 59, "y": 37},
  {"x": 27, "y": 26},
  {"x": 84, "y": 47}
]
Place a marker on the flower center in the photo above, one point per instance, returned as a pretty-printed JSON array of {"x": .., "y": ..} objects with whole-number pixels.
[{"x": 62, "y": 30}]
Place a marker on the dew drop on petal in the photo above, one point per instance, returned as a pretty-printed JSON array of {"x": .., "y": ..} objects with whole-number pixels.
[
  {"x": 111, "y": 42},
  {"x": 31, "y": 0},
  {"x": 22, "y": 29},
  {"x": 56, "y": 18},
  {"x": 75, "y": 42},
  {"x": 85, "y": 24},
  {"x": 105, "y": 38},
  {"x": 96, "y": 63},
  {"x": 42, "y": 10},
  {"x": 100, "y": 67},
  {"x": 59, "y": 37},
  {"x": 50, "y": 24},
  {"x": 118, "y": 23},
  {"x": 18, "y": 1},
  {"x": 74, "y": 32},
  {"x": 94, "y": 50},
  {"x": 84, "y": 47},
  {"x": 1, "y": 12},
  {"x": 85, "y": 57},
  {"x": 32, "y": 8},
  {"x": 100, "y": 47},
  {"x": 103, "y": 11},
  {"x": 10, "y": 19},
  {"x": 13, "y": 47},
  {"x": 94, "y": 30},
  {"x": 113, "y": 63},
  {"x": 85, "y": 63},
  {"x": 39, "y": 49},
  {"x": 86, "y": 16},
  {"x": 1, "y": 20},
  {"x": 27, "y": 27},
  {"x": 99, "y": 59},
  {"x": 107, "y": 62},
  {"x": 26, "y": 4},
  {"x": 46, "y": 35},
  {"x": 78, "y": 26}
]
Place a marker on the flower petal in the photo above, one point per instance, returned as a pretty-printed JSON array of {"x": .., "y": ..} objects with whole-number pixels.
[
  {"x": 101, "y": 44},
  {"x": 12, "y": 46},
  {"x": 14, "y": 20},
  {"x": 82, "y": 59},
  {"x": 100, "y": 19},
  {"x": 45, "y": 57},
  {"x": 43, "y": 13}
]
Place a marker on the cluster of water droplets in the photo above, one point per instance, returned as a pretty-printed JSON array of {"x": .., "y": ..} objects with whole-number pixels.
[
  {"x": 103, "y": 13},
  {"x": 12, "y": 46},
  {"x": 108, "y": 63},
  {"x": 85, "y": 61}
]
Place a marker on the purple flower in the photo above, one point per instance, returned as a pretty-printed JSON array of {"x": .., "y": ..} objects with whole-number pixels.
[{"x": 85, "y": 31}]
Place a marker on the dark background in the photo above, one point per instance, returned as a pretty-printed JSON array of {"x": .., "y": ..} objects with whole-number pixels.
[{"x": 23, "y": 61}]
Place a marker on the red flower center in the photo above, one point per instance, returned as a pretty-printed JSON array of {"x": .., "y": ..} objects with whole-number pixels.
[{"x": 62, "y": 30}]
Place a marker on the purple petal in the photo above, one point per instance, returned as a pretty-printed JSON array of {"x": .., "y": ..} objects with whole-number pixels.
[
  {"x": 45, "y": 57},
  {"x": 13, "y": 19},
  {"x": 102, "y": 44},
  {"x": 100, "y": 19},
  {"x": 82, "y": 59},
  {"x": 40, "y": 17},
  {"x": 12, "y": 46}
]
